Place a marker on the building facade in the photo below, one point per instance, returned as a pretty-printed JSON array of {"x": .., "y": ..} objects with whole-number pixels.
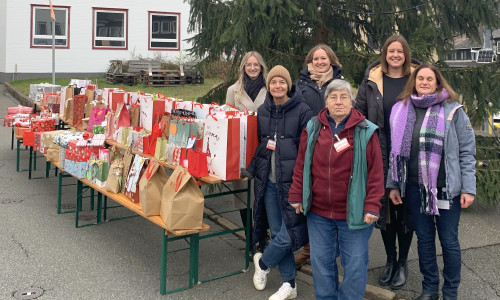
[{"x": 88, "y": 34}]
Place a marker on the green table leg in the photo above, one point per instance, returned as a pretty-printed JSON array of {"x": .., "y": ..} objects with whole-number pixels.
[
  {"x": 17, "y": 156},
  {"x": 30, "y": 163},
  {"x": 12, "y": 139},
  {"x": 99, "y": 207},
  {"x": 91, "y": 198},
  {"x": 79, "y": 186},
  {"x": 194, "y": 248},
  {"x": 59, "y": 192},
  {"x": 163, "y": 263},
  {"x": 105, "y": 207},
  {"x": 34, "y": 157},
  {"x": 248, "y": 238},
  {"x": 47, "y": 169}
]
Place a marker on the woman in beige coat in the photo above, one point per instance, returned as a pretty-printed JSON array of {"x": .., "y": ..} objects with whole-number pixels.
[{"x": 248, "y": 93}]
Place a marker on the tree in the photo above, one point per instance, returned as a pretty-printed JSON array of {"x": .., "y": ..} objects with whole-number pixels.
[{"x": 283, "y": 31}]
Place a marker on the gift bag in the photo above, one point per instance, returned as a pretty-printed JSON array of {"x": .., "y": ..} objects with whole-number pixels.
[
  {"x": 197, "y": 163},
  {"x": 68, "y": 112},
  {"x": 248, "y": 139},
  {"x": 132, "y": 182},
  {"x": 179, "y": 131},
  {"x": 90, "y": 93},
  {"x": 78, "y": 110},
  {"x": 150, "y": 188},
  {"x": 97, "y": 116},
  {"x": 221, "y": 142},
  {"x": 160, "y": 149},
  {"x": 121, "y": 116},
  {"x": 135, "y": 115},
  {"x": 114, "y": 179},
  {"x": 110, "y": 125},
  {"x": 149, "y": 109},
  {"x": 127, "y": 162},
  {"x": 182, "y": 202}
]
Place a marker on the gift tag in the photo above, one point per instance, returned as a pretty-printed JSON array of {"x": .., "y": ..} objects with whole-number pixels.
[
  {"x": 341, "y": 145},
  {"x": 191, "y": 142},
  {"x": 271, "y": 144}
]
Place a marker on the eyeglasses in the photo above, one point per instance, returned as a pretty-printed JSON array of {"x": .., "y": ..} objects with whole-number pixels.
[
  {"x": 343, "y": 98},
  {"x": 252, "y": 65}
]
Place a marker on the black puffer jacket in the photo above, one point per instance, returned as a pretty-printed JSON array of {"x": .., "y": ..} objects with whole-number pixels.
[
  {"x": 287, "y": 122},
  {"x": 369, "y": 102},
  {"x": 314, "y": 95}
]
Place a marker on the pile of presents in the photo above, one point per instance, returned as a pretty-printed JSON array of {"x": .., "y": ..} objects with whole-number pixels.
[{"x": 197, "y": 139}]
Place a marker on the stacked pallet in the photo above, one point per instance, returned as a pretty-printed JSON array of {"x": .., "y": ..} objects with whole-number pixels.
[{"x": 162, "y": 78}]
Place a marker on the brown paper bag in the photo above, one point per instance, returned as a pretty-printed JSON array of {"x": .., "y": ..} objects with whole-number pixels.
[
  {"x": 114, "y": 180},
  {"x": 135, "y": 115},
  {"x": 53, "y": 154},
  {"x": 128, "y": 158},
  {"x": 150, "y": 188},
  {"x": 90, "y": 95},
  {"x": 70, "y": 92},
  {"x": 68, "y": 112},
  {"x": 182, "y": 202}
]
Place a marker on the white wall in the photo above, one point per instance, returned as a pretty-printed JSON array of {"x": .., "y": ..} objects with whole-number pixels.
[
  {"x": 80, "y": 57},
  {"x": 3, "y": 22}
]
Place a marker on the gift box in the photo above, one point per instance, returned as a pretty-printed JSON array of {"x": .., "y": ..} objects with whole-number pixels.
[
  {"x": 47, "y": 124},
  {"x": 76, "y": 168},
  {"x": 38, "y": 90},
  {"x": 19, "y": 110},
  {"x": 20, "y": 130}
]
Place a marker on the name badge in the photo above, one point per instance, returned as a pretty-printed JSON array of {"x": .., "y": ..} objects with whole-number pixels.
[
  {"x": 271, "y": 144},
  {"x": 341, "y": 145},
  {"x": 443, "y": 204}
]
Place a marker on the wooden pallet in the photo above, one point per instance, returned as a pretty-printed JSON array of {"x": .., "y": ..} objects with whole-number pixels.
[
  {"x": 130, "y": 78},
  {"x": 114, "y": 78},
  {"x": 162, "y": 78}
]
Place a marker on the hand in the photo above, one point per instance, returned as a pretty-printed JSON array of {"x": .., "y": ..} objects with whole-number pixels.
[
  {"x": 245, "y": 175},
  {"x": 466, "y": 200},
  {"x": 369, "y": 218},
  {"x": 395, "y": 197},
  {"x": 298, "y": 207}
]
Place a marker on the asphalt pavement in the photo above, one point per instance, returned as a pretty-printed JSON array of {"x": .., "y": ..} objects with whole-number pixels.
[{"x": 43, "y": 253}]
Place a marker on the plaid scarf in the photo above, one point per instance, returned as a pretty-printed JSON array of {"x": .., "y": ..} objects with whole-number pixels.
[{"x": 431, "y": 140}]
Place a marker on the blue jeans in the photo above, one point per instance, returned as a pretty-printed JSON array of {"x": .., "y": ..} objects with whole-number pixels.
[
  {"x": 447, "y": 228},
  {"x": 279, "y": 251},
  {"x": 328, "y": 239}
]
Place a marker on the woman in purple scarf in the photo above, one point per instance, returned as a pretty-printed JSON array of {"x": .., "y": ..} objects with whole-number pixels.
[{"x": 432, "y": 168}]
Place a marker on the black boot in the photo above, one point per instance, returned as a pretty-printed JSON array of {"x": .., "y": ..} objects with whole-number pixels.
[
  {"x": 388, "y": 273},
  {"x": 399, "y": 279},
  {"x": 426, "y": 296}
]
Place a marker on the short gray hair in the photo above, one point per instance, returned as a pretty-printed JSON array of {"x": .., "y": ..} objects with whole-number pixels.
[{"x": 339, "y": 84}]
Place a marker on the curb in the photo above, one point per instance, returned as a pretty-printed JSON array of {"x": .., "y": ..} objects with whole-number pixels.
[
  {"x": 371, "y": 293},
  {"x": 19, "y": 96}
]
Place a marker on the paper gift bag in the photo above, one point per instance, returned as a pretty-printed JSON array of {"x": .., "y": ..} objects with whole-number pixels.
[
  {"x": 149, "y": 109},
  {"x": 110, "y": 125},
  {"x": 53, "y": 154},
  {"x": 201, "y": 110},
  {"x": 248, "y": 139},
  {"x": 150, "y": 188},
  {"x": 160, "y": 149},
  {"x": 29, "y": 138},
  {"x": 78, "y": 110},
  {"x": 128, "y": 158},
  {"x": 197, "y": 163},
  {"x": 68, "y": 112},
  {"x": 125, "y": 131},
  {"x": 182, "y": 202},
  {"x": 132, "y": 182},
  {"x": 135, "y": 115},
  {"x": 122, "y": 117},
  {"x": 116, "y": 97},
  {"x": 114, "y": 180},
  {"x": 179, "y": 132},
  {"x": 97, "y": 116},
  {"x": 90, "y": 93},
  {"x": 221, "y": 142},
  {"x": 92, "y": 167},
  {"x": 102, "y": 173}
]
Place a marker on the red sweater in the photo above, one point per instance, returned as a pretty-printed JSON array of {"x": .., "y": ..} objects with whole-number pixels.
[{"x": 331, "y": 171}]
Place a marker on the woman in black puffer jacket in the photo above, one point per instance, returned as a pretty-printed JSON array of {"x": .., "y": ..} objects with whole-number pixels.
[{"x": 280, "y": 121}]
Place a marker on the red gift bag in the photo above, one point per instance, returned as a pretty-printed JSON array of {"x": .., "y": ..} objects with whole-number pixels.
[
  {"x": 197, "y": 163},
  {"x": 78, "y": 110},
  {"x": 97, "y": 116},
  {"x": 155, "y": 134},
  {"x": 122, "y": 118},
  {"x": 116, "y": 97}
]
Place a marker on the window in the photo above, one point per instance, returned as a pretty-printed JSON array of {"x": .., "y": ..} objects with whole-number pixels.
[
  {"x": 41, "y": 26},
  {"x": 164, "y": 30},
  {"x": 110, "y": 28}
]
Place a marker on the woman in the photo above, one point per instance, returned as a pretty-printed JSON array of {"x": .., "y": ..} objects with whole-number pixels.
[
  {"x": 432, "y": 167},
  {"x": 338, "y": 182},
  {"x": 384, "y": 81},
  {"x": 280, "y": 121},
  {"x": 248, "y": 93},
  {"x": 323, "y": 66}
]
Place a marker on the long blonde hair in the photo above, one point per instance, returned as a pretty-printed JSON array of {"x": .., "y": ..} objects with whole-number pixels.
[{"x": 240, "y": 87}]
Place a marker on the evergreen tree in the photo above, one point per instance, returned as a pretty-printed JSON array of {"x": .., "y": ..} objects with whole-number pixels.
[{"x": 283, "y": 31}]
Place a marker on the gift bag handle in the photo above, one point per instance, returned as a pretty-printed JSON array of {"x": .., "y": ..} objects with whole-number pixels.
[{"x": 178, "y": 181}]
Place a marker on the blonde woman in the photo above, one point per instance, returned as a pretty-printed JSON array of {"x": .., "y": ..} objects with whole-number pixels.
[{"x": 248, "y": 93}]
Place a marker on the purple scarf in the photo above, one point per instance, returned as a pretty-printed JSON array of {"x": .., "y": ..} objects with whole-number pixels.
[{"x": 431, "y": 140}]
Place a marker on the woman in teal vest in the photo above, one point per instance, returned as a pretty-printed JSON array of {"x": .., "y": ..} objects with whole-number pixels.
[{"x": 337, "y": 183}]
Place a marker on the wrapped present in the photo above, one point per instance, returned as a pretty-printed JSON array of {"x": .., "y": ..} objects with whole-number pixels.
[
  {"x": 53, "y": 154},
  {"x": 29, "y": 138},
  {"x": 132, "y": 183},
  {"x": 19, "y": 110},
  {"x": 97, "y": 140},
  {"x": 76, "y": 168},
  {"x": 62, "y": 158},
  {"x": 38, "y": 142},
  {"x": 62, "y": 140},
  {"x": 8, "y": 120},
  {"x": 51, "y": 99},
  {"x": 48, "y": 138},
  {"x": 98, "y": 129},
  {"x": 20, "y": 130},
  {"x": 38, "y": 90},
  {"x": 45, "y": 124}
]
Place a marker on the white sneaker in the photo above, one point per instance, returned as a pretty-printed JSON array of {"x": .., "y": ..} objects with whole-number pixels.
[
  {"x": 260, "y": 276},
  {"x": 285, "y": 292}
]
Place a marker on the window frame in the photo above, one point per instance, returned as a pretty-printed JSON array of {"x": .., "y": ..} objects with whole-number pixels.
[
  {"x": 33, "y": 23},
  {"x": 160, "y": 29},
  {"x": 124, "y": 11}
]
